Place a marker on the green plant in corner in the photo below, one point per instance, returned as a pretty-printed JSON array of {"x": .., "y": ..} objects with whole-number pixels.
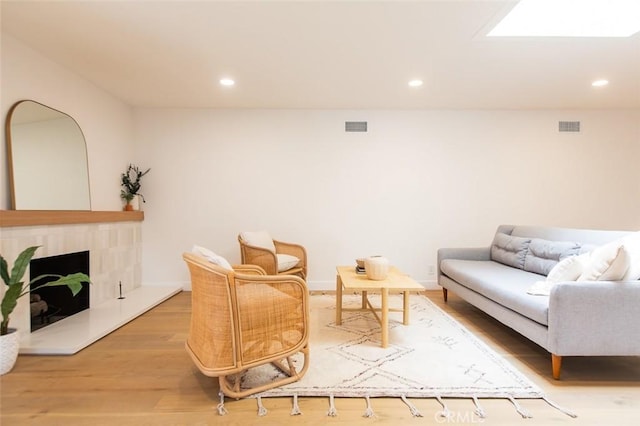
[
  {"x": 130, "y": 182},
  {"x": 16, "y": 287}
]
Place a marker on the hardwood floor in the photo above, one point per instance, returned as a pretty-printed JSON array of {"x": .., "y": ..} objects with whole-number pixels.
[{"x": 141, "y": 375}]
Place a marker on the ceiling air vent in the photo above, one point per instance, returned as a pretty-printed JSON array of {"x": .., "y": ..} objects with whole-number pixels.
[
  {"x": 569, "y": 126},
  {"x": 355, "y": 126}
]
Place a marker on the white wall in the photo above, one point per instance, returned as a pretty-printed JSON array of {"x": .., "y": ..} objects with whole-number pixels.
[
  {"x": 105, "y": 121},
  {"x": 417, "y": 181}
]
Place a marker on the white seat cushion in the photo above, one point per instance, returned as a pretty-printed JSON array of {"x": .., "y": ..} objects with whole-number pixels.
[{"x": 286, "y": 262}]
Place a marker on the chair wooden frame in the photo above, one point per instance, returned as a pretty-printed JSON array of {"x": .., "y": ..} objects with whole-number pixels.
[
  {"x": 267, "y": 260},
  {"x": 242, "y": 319}
]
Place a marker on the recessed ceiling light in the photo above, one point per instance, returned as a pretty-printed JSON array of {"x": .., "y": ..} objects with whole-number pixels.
[
  {"x": 415, "y": 83},
  {"x": 600, "y": 83},
  {"x": 227, "y": 82},
  {"x": 570, "y": 18}
]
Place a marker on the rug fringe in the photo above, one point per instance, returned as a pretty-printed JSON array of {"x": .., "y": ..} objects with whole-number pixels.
[
  {"x": 332, "y": 408},
  {"x": 559, "y": 408},
  {"x": 295, "y": 410},
  {"x": 262, "y": 411},
  {"x": 519, "y": 409},
  {"x": 479, "y": 411},
  {"x": 220, "y": 407},
  {"x": 445, "y": 411},
  {"x": 369, "y": 411},
  {"x": 412, "y": 408}
]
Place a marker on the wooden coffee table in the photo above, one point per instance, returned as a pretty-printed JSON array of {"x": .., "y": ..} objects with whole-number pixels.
[{"x": 396, "y": 281}]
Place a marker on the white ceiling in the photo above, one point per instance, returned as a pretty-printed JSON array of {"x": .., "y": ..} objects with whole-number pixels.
[{"x": 323, "y": 54}]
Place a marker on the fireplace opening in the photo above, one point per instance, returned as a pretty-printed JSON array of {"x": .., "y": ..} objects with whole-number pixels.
[{"x": 51, "y": 304}]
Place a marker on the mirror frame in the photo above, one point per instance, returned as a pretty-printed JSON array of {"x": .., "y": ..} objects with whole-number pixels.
[{"x": 10, "y": 156}]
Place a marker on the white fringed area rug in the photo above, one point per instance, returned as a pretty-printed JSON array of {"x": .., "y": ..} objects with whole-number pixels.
[{"x": 432, "y": 357}]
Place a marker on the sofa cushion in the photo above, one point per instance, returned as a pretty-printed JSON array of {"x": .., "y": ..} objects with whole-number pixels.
[
  {"x": 585, "y": 236},
  {"x": 632, "y": 245},
  {"x": 503, "y": 284},
  {"x": 587, "y": 248},
  {"x": 568, "y": 269},
  {"x": 543, "y": 255},
  {"x": 618, "y": 260},
  {"x": 509, "y": 250},
  {"x": 609, "y": 262}
]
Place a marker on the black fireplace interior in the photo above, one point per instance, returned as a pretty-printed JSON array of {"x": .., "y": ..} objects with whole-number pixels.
[{"x": 51, "y": 304}]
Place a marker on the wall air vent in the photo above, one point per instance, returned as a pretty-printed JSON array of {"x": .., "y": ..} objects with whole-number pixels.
[
  {"x": 355, "y": 126},
  {"x": 569, "y": 126}
]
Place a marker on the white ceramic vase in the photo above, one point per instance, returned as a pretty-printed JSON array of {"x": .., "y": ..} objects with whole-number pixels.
[
  {"x": 9, "y": 347},
  {"x": 376, "y": 267},
  {"x": 135, "y": 202}
]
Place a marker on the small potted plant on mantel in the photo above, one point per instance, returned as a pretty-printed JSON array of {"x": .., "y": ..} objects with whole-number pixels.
[
  {"x": 16, "y": 288},
  {"x": 130, "y": 182}
]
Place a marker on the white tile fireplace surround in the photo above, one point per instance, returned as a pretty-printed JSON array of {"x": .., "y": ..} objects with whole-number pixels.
[{"x": 115, "y": 252}]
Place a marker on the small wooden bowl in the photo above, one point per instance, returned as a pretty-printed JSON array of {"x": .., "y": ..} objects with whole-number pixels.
[{"x": 360, "y": 262}]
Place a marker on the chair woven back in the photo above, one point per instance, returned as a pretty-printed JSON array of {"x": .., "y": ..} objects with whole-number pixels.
[{"x": 211, "y": 335}]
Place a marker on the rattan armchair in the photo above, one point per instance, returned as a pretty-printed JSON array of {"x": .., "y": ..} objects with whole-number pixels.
[
  {"x": 269, "y": 254},
  {"x": 242, "y": 319}
]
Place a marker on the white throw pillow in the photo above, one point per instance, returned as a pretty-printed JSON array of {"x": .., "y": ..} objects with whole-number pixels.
[
  {"x": 286, "y": 262},
  {"x": 632, "y": 246},
  {"x": 541, "y": 288},
  {"x": 260, "y": 239},
  {"x": 212, "y": 257},
  {"x": 609, "y": 262},
  {"x": 568, "y": 269}
]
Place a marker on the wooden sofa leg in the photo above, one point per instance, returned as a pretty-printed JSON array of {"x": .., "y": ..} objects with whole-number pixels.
[
  {"x": 444, "y": 293},
  {"x": 556, "y": 363}
]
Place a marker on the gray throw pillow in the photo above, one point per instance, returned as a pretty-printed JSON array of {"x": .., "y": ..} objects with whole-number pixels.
[
  {"x": 543, "y": 255},
  {"x": 509, "y": 250}
]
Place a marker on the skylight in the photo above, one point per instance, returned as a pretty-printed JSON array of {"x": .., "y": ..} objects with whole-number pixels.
[{"x": 570, "y": 18}]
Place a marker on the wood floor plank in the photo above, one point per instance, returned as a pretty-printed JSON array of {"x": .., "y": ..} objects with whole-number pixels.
[{"x": 140, "y": 374}]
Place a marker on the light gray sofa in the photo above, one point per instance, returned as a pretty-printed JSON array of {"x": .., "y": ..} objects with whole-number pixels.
[{"x": 578, "y": 318}]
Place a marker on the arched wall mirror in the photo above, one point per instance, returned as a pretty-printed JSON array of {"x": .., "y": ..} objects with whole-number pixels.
[{"x": 47, "y": 157}]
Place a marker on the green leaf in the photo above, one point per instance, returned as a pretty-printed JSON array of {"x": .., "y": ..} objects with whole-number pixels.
[
  {"x": 4, "y": 270},
  {"x": 33, "y": 282},
  {"x": 73, "y": 281},
  {"x": 9, "y": 301},
  {"x": 21, "y": 264}
]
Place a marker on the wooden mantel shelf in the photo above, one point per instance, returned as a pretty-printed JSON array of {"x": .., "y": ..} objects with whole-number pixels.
[{"x": 10, "y": 218}]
